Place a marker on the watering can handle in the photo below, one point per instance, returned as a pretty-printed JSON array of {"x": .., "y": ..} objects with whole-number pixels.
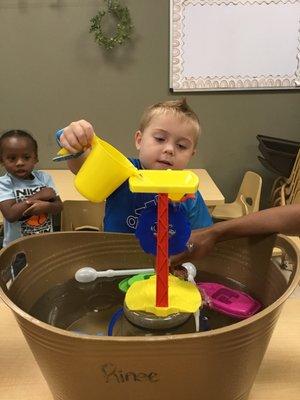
[{"x": 63, "y": 154}]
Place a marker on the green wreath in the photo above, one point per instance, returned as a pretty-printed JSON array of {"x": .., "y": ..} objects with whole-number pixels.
[{"x": 123, "y": 28}]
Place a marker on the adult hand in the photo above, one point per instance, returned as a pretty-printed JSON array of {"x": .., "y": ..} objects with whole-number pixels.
[
  {"x": 201, "y": 243},
  {"x": 77, "y": 136}
]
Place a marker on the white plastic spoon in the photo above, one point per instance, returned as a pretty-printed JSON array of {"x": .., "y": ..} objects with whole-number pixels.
[{"x": 88, "y": 274}]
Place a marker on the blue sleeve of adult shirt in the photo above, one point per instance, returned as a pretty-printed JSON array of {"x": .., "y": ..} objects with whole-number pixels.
[{"x": 197, "y": 212}]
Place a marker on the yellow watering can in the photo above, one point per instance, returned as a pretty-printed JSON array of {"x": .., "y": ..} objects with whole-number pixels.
[{"x": 103, "y": 171}]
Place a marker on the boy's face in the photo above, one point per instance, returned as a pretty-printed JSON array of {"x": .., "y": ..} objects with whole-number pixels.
[
  {"x": 18, "y": 157},
  {"x": 168, "y": 142}
]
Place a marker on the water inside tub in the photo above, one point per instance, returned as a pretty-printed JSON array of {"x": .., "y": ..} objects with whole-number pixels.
[{"x": 88, "y": 308}]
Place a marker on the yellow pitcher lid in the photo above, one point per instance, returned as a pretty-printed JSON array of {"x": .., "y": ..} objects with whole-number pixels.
[{"x": 175, "y": 183}]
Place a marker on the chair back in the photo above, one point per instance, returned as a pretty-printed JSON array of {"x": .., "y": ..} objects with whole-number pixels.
[
  {"x": 296, "y": 198},
  {"x": 250, "y": 191},
  {"x": 82, "y": 215},
  {"x": 284, "y": 189},
  {"x": 295, "y": 171}
]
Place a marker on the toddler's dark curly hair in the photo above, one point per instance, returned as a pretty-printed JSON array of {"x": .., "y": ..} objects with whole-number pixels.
[{"x": 19, "y": 133}]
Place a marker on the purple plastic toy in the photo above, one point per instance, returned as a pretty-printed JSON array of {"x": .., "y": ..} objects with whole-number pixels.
[{"x": 228, "y": 301}]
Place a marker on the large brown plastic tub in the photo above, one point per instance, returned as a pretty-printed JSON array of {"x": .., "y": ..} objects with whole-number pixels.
[{"x": 216, "y": 365}]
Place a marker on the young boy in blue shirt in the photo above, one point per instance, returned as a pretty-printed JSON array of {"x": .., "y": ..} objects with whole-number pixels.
[{"x": 166, "y": 139}]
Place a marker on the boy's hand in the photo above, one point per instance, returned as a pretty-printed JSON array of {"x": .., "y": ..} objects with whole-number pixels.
[
  {"x": 77, "y": 136},
  {"x": 37, "y": 207},
  {"x": 45, "y": 194}
]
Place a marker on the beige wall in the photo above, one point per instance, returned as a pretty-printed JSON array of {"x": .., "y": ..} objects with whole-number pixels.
[{"x": 52, "y": 72}]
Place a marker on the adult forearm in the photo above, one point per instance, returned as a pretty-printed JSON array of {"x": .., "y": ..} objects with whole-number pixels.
[{"x": 284, "y": 220}]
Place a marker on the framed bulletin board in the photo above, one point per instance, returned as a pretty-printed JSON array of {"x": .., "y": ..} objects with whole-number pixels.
[{"x": 234, "y": 44}]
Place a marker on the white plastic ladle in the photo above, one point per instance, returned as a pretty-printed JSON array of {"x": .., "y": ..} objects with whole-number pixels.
[
  {"x": 88, "y": 274},
  {"x": 191, "y": 271}
]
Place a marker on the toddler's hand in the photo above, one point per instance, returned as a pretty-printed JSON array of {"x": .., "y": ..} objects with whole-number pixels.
[
  {"x": 45, "y": 194},
  {"x": 37, "y": 207},
  {"x": 77, "y": 136}
]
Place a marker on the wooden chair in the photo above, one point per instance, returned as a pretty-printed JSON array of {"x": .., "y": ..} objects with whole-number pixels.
[
  {"x": 247, "y": 199},
  {"x": 82, "y": 215}
]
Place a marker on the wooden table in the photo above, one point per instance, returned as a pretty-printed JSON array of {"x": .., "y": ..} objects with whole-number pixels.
[
  {"x": 277, "y": 379},
  {"x": 64, "y": 182},
  {"x": 209, "y": 190}
]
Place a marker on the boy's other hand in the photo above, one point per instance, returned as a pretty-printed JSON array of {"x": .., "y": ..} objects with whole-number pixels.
[
  {"x": 45, "y": 194},
  {"x": 77, "y": 136},
  {"x": 37, "y": 207}
]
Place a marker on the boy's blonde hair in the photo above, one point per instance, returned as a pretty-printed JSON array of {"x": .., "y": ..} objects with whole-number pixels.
[{"x": 178, "y": 107}]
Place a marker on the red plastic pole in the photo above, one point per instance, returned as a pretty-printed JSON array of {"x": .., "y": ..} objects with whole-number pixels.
[{"x": 162, "y": 250}]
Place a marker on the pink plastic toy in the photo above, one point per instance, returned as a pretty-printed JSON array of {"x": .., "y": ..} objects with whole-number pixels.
[{"x": 228, "y": 301}]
